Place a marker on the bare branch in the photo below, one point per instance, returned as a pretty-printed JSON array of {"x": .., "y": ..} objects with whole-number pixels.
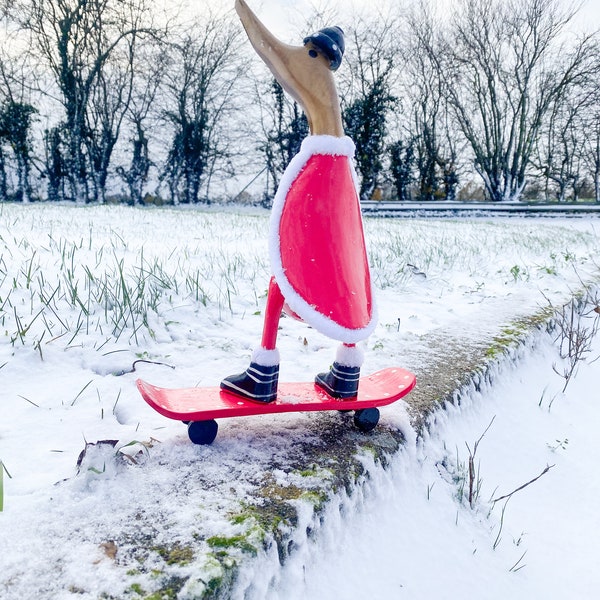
[{"x": 548, "y": 467}]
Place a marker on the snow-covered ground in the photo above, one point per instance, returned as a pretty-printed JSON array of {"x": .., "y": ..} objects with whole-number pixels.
[
  {"x": 87, "y": 291},
  {"x": 414, "y": 535}
]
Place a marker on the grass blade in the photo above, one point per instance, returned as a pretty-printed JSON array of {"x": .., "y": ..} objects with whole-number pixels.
[
  {"x": 2, "y": 469},
  {"x": 85, "y": 387}
]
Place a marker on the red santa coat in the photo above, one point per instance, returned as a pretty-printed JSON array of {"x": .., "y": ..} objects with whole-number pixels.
[{"x": 317, "y": 245}]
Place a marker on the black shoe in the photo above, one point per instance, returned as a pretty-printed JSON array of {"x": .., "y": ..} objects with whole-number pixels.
[
  {"x": 257, "y": 382},
  {"x": 340, "y": 381}
]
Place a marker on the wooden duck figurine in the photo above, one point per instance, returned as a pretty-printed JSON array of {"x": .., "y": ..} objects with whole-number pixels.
[{"x": 316, "y": 241}]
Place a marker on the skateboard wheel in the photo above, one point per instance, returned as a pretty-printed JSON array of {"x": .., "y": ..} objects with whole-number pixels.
[
  {"x": 366, "y": 419},
  {"x": 203, "y": 432}
]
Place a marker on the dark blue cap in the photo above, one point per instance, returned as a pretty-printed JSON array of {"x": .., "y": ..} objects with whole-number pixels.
[{"x": 330, "y": 41}]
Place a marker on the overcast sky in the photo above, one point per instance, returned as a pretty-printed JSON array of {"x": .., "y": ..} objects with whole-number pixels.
[
  {"x": 285, "y": 16},
  {"x": 589, "y": 15}
]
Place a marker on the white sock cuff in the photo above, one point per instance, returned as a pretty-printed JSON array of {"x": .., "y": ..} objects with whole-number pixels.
[
  {"x": 265, "y": 358},
  {"x": 349, "y": 356}
]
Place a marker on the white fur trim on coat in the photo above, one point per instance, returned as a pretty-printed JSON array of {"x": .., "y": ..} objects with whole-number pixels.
[{"x": 313, "y": 144}]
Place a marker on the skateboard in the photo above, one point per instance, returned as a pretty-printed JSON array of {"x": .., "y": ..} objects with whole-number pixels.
[{"x": 199, "y": 407}]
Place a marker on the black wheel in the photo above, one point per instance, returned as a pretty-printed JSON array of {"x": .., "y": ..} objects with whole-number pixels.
[
  {"x": 203, "y": 432},
  {"x": 366, "y": 419}
]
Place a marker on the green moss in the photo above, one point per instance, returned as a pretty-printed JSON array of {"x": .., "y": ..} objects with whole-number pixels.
[
  {"x": 259, "y": 520},
  {"x": 371, "y": 449},
  {"x": 513, "y": 333},
  {"x": 271, "y": 517},
  {"x": 213, "y": 586},
  {"x": 175, "y": 554},
  {"x": 240, "y": 518},
  {"x": 170, "y": 588},
  {"x": 136, "y": 588},
  {"x": 274, "y": 491},
  {"x": 317, "y": 498},
  {"x": 168, "y": 594},
  {"x": 239, "y": 542},
  {"x": 314, "y": 470},
  {"x": 308, "y": 472}
]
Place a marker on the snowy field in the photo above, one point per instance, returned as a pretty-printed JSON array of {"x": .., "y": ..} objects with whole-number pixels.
[{"x": 86, "y": 293}]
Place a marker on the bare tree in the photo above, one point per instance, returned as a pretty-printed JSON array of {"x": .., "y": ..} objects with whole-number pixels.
[
  {"x": 560, "y": 148},
  {"x": 402, "y": 163},
  {"x": 76, "y": 40},
  {"x": 284, "y": 128},
  {"x": 16, "y": 120},
  {"x": 590, "y": 130},
  {"x": 592, "y": 147},
  {"x": 109, "y": 103},
  {"x": 204, "y": 65},
  {"x": 504, "y": 65},
  {"x": 147, "y": 79},
  {"x": 55, "y": 170},
  {"x": 3, "y": 178},
  {"x": 424, "y": 99},
  {"x": 109, "y": 99},
  {"x": 367, "y": 96}
]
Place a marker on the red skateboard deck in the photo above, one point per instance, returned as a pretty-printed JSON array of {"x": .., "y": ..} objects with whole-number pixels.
[{"x": 201, "y": 404}]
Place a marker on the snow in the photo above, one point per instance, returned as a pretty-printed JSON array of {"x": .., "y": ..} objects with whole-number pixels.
[
  {"x": 411, "y": 537},
  {"x": 67, "y": 388}
]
